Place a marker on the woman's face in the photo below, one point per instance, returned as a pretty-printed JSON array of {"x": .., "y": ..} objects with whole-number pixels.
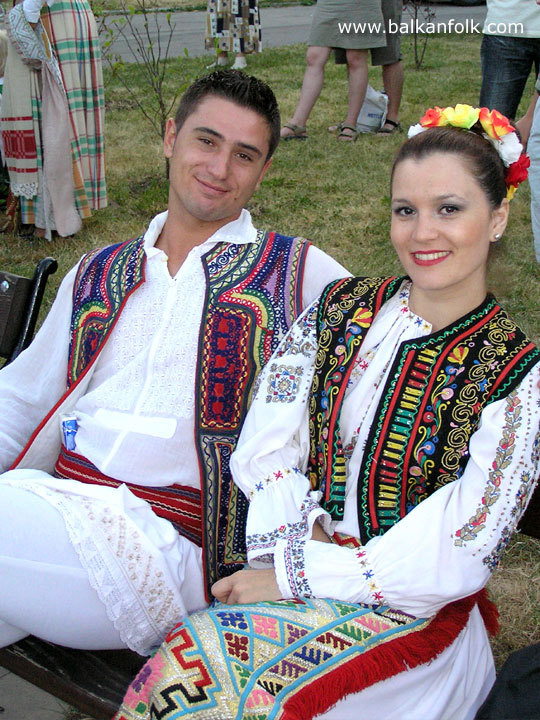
[{"x": 442, "y": 226}]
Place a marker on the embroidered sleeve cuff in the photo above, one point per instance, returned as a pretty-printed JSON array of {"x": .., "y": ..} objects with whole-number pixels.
[
  {"x": 282, "y": 507},
  {"x": 316, "y": 569},
  {"x": 290, "y": 570}
]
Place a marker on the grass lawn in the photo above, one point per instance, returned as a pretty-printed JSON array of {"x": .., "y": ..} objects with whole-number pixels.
[{"x": 335, "y": 193}]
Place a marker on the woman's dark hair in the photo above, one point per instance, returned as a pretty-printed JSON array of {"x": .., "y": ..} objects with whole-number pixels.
[
  {"x": 478, "y": 153},
  {"x": 238, "y": 87}
]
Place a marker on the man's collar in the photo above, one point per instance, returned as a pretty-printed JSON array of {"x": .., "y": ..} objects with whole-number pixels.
[{"x": 240, "y": 231}]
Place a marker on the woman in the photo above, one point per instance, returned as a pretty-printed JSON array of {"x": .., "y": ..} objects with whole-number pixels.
[
  {"x": 60, "y": 171},
  {"x": 336, "y": 24},
  {"x": 233, "y": 27},
  {"x": 388, "y": 456}
]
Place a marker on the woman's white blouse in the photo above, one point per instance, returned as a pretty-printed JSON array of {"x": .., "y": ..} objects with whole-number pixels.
[{"x": 445, "y": 548}]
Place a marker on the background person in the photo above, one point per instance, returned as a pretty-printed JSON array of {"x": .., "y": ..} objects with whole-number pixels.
[
  {"x": 8, "y": 202},
  {"x": 388, "y": 456},
  {"x": 236, "y": 27},
  {"x": 508, "y": 53},
  {"x": 389, "y": 58},
  {"x": 325, "y": 34},
  {"x": 60, "y": 175},
  {"x": 534, "y": 172}
]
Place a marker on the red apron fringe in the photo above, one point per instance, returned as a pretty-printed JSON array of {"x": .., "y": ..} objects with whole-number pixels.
[{"x": 389, "y": 659}]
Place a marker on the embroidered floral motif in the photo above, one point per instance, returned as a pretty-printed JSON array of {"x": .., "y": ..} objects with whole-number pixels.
[
  {"x": 283, "y": 383},
  {"x": 367, "y": 572},
  {"x": 264, "y": 541},
  {"x": 298, "y": 341},
  {"x": 503, "y": 457},
  {"x": 295, "y": 569},
  {"x": 272, "y": 478}
]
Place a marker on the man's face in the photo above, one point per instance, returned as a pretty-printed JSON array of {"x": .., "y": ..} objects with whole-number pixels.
[{"x": 217, "y": 161}]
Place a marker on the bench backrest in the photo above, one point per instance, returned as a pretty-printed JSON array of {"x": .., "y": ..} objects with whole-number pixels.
[{"x": 20, "y": 300}]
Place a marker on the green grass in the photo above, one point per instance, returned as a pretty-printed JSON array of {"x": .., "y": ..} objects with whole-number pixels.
[{"x": 334, "y": 193}]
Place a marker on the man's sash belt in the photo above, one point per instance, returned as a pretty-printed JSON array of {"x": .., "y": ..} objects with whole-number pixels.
[{"x": 179, "y": 504}]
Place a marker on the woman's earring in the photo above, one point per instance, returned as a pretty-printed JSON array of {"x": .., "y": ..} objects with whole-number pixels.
[{"x": 497, "y": 237}]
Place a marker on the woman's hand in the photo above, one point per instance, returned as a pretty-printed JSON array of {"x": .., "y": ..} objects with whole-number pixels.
[{"x": 247, "y": 586}]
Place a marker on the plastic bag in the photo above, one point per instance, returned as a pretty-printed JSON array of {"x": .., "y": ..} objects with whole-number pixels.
[{"x": 373, "y": 112}]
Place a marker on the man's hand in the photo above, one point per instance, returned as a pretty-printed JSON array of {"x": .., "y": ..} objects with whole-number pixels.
[{"x": 247, "y": 586}]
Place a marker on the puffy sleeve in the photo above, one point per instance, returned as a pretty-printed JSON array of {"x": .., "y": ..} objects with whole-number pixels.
[
  {"x": 31, "y": 384},
  {"x": 443, "y": 550}
]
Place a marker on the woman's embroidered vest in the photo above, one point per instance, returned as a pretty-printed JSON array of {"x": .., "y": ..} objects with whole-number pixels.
[
  {"x": 431, "y": 404},
  {"x": 253, "y": 296}
]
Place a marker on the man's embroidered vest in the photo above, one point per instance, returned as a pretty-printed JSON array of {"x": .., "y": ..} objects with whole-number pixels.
[
  {"x": 431, "y": 404},
  {"x": 254, "y": 293}
]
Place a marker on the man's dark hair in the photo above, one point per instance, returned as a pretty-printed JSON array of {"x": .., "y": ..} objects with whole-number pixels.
[{"x": 238, "y": 87}]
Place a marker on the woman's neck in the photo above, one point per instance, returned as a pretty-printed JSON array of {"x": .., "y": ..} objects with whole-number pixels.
[{"x": 443, "y": 307}]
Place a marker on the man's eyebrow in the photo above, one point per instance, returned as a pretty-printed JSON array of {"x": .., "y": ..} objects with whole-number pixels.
[{"x": 246, "y": 146}]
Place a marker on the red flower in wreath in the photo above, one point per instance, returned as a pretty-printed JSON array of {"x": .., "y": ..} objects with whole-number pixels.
[
  {"x": 432, "y": 118},
  {"x": 518, "y": 171}
]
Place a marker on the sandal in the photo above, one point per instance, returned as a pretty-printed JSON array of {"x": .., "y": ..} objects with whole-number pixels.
[
  {"x": 298, "y": 132},
  {"x": 348, "y": 133},
  {"x": 394, "y": 127}
]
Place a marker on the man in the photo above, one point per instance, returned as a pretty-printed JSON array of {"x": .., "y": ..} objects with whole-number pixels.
[
  {"x": 163, "y": 337},
  {"x": 510, "y": 48},
  {"x": 53, "y": 114}
]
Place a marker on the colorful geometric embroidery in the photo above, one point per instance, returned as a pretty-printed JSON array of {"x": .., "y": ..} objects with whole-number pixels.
[
  {"x": 287, "y": 659},
  {"x": 104, "y": 281},
  {"x": 283, "y": 383},
  {"x": 435, "y": 392},
  {"x": 253, "y": 297}
]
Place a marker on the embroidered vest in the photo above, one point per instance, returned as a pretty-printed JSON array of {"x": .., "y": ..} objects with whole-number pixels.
[
  {"x": 254, "y": 293},
  {"x": 253, "y": 296},
  {"x": 431, "y": 404}
]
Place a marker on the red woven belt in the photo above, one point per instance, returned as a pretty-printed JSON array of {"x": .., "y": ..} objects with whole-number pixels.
[{"x": 179, "y": 504}]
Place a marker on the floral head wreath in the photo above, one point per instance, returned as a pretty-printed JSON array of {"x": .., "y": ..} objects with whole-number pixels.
[{"x": 493, "y": 126}]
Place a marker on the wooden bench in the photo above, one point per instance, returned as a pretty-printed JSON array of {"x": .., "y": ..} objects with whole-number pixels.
[{"x": 92, "y": 682}]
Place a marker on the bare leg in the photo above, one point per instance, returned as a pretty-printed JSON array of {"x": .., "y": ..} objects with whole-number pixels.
[
  {"x": 316, "y": 58},
  {"x": 393, "y": 86},
  {"x": 358, "y": 80}
]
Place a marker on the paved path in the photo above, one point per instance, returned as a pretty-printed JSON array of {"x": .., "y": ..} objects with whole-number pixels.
[{"x": 280, "y": 26}]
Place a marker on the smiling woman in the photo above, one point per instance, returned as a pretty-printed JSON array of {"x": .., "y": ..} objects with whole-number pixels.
[{"x": 388, "y": 456}]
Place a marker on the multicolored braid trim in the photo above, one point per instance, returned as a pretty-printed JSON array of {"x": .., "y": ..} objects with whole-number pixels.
[
  {"x": 104, "y": 281},
  {"x": 254, "y": 294}
]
